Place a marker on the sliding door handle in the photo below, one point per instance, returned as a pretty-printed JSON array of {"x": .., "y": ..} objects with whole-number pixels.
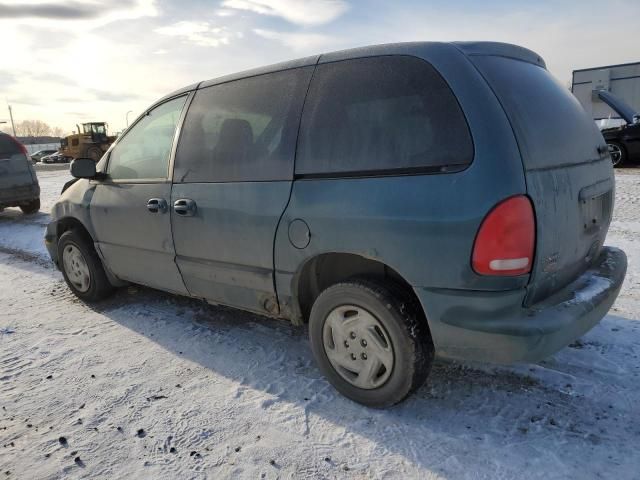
[
  {"x": 185, "y": 207},
  {"x": 155, "y": 205}
]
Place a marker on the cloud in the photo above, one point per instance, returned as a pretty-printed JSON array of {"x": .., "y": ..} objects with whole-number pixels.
[
  {"x": 109, "y": 96},
  {"x": 7, "y": 79},
  {"x": 198, "y": 33},
  {"x": 299, "y": 41},
  {"x": 86, "y": 14},
  {"x": 26, "y": 99},
  {"x": 52, "y": 77},
  {"x": 224, "y": 12},
  {"x": 72, "y": 10},
  {"x": 308, "y": 12}
]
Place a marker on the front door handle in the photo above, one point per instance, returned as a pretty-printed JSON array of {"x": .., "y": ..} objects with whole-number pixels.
[
  {"x": 185, "y": 207},
  {"x": 155, "y": 205}
]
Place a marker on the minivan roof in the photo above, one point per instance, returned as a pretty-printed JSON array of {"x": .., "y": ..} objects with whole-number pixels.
[{"x": 403, "y": 48}]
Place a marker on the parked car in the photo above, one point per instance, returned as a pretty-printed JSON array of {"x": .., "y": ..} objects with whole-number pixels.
[
  {"x": 37, "y": 156},
  {"x": 403, "y": 199},
  {"x": 18, "y": 181},
  {"x": 56, "y": 158},
  {"x": 623, "y": 141}
]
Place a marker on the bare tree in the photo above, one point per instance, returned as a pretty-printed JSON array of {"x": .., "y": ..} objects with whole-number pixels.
[
  {"x": 57, "y": 132},
  {"x": 33, "y": 128}
]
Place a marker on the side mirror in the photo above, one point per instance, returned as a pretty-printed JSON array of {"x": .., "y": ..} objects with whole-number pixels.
[{"x": 83, "y": 168}]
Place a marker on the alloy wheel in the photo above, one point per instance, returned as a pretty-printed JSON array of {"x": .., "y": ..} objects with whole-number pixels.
[{"x": 616, "y": 153}]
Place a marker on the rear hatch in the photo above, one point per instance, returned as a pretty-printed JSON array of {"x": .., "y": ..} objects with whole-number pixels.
[
  {"x": 567, "y": 169},
  {"x": 15, "y": 167}
]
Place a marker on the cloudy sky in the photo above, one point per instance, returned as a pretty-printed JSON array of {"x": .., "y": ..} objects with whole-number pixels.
[{"x": 69, "y": 61}]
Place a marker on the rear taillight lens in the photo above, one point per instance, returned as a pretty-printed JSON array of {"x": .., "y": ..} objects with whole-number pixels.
[{"x": 506, "y": 240}]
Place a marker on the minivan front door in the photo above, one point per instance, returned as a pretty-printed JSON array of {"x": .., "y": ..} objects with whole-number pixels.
[
  {"x": 130, "y": 208},
  {"x": 232, "y": 180}
]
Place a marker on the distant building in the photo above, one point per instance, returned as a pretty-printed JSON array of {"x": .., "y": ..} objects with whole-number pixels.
[
  {"x": 38, "y": 140},
  {"x": 622, "y": 80}
]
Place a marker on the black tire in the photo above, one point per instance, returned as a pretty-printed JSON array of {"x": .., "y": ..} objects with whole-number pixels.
[
  {"x": 621, "y": 154},
  {"x": 99, "y": 286},
  {"x": 404, "y": 325},
  {"x": 32, "y": 207}
]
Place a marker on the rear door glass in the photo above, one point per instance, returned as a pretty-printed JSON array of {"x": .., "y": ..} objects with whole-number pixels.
[
  {"x": 379, "y": 114},
  {"x": 243, "y": 130}
]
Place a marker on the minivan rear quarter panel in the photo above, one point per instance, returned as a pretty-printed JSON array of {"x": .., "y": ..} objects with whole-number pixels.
[{"x": 422, "y": 226}]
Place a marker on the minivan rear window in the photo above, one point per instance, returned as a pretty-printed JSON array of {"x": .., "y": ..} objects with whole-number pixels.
[
  {"x": 551, "y": 126},
  {"x": 388, "y": 113}
]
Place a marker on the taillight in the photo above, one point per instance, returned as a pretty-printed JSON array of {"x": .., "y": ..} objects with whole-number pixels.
[{"x": 506, "y": 240}]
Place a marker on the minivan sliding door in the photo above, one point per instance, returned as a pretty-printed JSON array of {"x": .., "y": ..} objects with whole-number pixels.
[{"x": 232, "y": 180}]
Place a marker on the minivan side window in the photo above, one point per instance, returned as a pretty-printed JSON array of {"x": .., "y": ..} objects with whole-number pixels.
[
  {"x": 243, "y": 130},
  {"x": 143, "y": 153},
  {"x": 379, "y": 114}
]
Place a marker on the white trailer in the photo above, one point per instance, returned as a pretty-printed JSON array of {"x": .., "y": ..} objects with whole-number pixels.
[{"x": 622, "y": 80}]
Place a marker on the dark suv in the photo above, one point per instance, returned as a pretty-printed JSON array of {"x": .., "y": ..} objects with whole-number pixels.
[
  {"x": 406, "y": 200},
  {"x": 18, "y": 181}
]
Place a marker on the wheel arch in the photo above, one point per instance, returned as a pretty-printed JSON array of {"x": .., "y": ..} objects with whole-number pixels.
[
  {"x": 65, "y": 224},
  {"x": 72, "y": 223},
  {"x": 323, "y": 270}
]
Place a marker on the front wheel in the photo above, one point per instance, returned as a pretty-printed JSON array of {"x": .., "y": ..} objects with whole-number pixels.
[
  {"x": 82, "y": 268},
  {"x": 618, "y": 153},
  {"x": 371, "y": 341}
]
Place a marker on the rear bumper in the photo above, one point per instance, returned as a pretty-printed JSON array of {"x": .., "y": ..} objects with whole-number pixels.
[
  {"x": 495, "y": 327},
  {"x": 16, "y": 196}
]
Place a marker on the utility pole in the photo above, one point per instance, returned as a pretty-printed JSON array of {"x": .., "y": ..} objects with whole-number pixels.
[
  {"x": 13, "y": 127},
  {"x": 127, "y": 117}
]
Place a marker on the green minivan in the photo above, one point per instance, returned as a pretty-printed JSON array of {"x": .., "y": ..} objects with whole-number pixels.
[{"x": 406, "y": 201}]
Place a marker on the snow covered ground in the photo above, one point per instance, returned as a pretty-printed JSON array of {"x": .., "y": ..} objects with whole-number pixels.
[{"x": 149, "y": 385}]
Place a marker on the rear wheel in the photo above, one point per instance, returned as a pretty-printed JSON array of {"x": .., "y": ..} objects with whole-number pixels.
[
  {"x": 370, "y": 340},
  {"x": 618, "y": 153},
  {"x": 82, "y": 268},
  {"x": 32, "y": 207}
]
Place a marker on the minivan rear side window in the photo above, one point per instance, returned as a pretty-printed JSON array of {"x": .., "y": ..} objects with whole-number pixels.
[
  {"x": 379, "y": 114},
  {"x": 243, "y": 130}
]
